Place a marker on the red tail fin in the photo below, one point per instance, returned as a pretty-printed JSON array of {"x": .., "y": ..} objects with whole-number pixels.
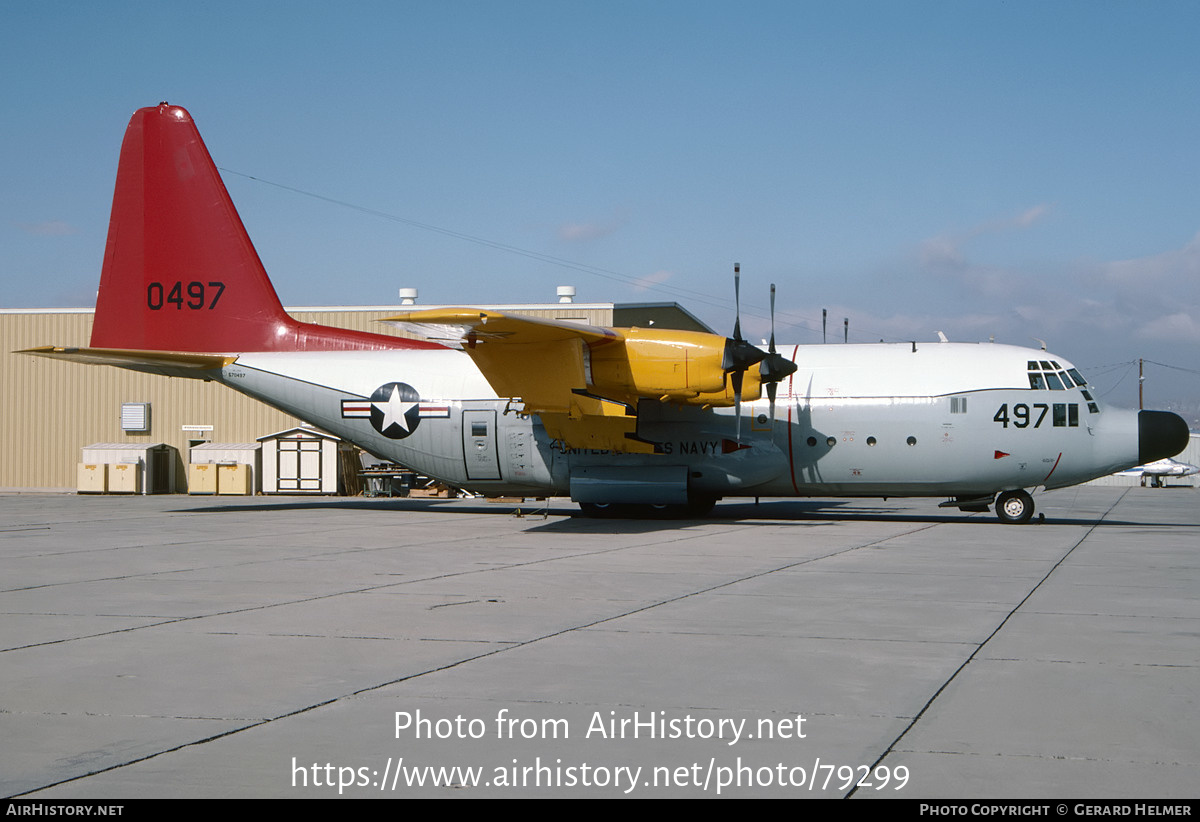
[{"x": 180, "y": 272}]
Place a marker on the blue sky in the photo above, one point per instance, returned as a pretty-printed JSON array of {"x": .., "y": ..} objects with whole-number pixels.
[{"x": 1011, "y": 170}]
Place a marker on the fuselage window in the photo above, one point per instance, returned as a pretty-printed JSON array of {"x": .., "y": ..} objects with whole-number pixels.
[
  {"x": 958, "y": 405},
  {"x": 911, "y": 440},
  {"x": 1073, "y": 415}
]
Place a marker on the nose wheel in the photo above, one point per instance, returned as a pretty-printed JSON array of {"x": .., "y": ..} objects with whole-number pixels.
[{"x": 1014, "y": 506}]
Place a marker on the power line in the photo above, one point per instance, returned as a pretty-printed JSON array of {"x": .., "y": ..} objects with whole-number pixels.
[
  {"x": 786, "y": 319},
  {"x": 1175, "y": 367},
  {"x": 511, "y": 249},
  {"x": 1128, "y": 367}
]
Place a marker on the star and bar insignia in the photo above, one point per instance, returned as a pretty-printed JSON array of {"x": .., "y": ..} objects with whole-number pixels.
[{"x": 395, "y": 409}]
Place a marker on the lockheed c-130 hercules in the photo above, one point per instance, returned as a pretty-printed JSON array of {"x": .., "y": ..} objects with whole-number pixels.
[{"x": 620, "y": 419}]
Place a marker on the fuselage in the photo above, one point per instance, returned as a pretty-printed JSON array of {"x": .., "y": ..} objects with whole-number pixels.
[{"x": 924, "y": 419}]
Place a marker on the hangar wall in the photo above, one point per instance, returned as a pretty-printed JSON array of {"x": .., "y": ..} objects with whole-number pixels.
[{"x": 51, "y": 409}]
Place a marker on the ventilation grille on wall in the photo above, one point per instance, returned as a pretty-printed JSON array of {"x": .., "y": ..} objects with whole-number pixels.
[{"x": 135, "y": 417}]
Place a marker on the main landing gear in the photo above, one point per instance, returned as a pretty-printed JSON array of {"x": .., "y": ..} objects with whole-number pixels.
[{"x": 1014, "y": 506}]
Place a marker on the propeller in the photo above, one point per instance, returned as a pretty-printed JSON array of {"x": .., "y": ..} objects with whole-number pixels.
[
  {"x": 740, "y": 355},
  {"x": 774, "y": 367}
]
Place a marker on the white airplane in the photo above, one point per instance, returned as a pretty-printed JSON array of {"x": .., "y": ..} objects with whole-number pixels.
[
  {"x": 621, "y": 419},
  {"x": 1159, "y": 470}
]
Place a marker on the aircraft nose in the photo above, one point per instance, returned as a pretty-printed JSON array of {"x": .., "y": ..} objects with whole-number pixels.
[{"x": 1161, "y": 434}]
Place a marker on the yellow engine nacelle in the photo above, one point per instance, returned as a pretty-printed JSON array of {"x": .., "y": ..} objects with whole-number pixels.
[{"x": 674, "y": 366}]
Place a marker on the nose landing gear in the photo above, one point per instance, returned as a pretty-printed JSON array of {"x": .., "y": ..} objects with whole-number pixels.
[{"x": 1014, "y": 507}]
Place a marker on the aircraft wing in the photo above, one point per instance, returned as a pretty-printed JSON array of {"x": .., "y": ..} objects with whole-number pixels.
[
  {"x": 585, "y": 381},
  {"x": 544, "y": 363},
  {"x": 538, "y": 360},
  {"x": 461, "y": 327}
]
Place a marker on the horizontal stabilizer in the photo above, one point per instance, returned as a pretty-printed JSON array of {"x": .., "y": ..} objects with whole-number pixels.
[{"x": 167, "y": 363}]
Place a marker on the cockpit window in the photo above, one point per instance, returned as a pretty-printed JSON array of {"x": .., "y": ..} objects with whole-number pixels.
[
  {"x": 1092, "y": 407},
  {"x": 1050, "y": 375}
]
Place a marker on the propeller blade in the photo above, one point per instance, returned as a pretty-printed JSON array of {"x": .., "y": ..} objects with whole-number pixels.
[
  {"x": 774, "y": 367},
  {"x": 736, "y": 377},
  {"x": 772, "y": 347},
  {"x": 739, "y": 353},
  {"x": 737, "y": 302}
]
